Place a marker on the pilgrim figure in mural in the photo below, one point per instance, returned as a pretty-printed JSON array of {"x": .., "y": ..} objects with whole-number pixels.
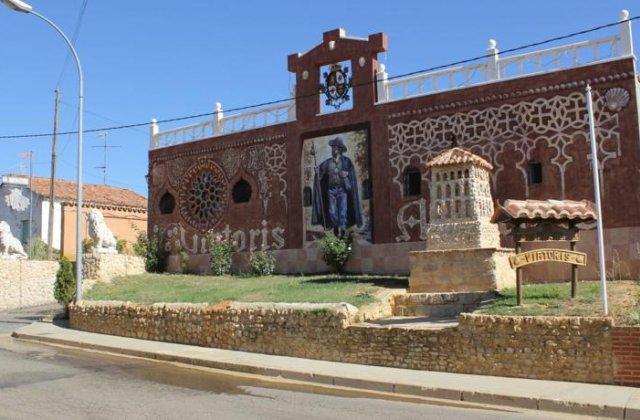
[{"x": 336, "y": 202}]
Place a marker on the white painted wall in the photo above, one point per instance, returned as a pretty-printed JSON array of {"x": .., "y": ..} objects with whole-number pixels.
[
  {"x": 18, "y": 186},
  {"x": 57, "y": 222}
]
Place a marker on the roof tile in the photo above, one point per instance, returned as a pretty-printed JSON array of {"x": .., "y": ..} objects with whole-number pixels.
[
  {"x": 105, "y": 195},
  {"x": 458, "y": 156},
  {"x": 547, "y": 209}
]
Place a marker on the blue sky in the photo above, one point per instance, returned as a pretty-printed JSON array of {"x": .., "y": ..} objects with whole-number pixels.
[{"x": 161, "y": 59}]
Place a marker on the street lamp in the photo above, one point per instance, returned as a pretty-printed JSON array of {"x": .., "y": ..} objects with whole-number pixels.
[{"x": 20, "y": 6}]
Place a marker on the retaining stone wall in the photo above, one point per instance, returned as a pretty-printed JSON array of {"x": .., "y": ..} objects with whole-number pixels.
[
  {"x": 556, "y": 348},
  {"x": 104, "y": 267},
  {"x": 26, "y": 283}
]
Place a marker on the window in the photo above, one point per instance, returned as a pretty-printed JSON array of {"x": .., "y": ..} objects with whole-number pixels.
[
  {"x": 535, "y": 173},
  {"x": 412, "y": 182},
  {"x": 167, "y": 203},
  {"x": 241, "y": 192}
]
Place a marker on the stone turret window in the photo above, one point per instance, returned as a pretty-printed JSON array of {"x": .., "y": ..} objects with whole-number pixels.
[
  {"x": 241, "y": 192},
  {"x": 306, "y": 196},
  {"x": 366, "y": 189},
  {"x": 535, "y": 173},
  {"x": 167, "y": 203},
  {"x": 412, "y": 182}
]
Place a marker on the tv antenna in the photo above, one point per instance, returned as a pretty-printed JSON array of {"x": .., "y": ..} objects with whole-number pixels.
[{"x": 104, "y": 148}]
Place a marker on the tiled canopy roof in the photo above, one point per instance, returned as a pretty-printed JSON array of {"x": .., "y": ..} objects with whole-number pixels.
[
  {"x": 104, "y": 195},
  {"x": 547, "y": 209},
  {"x": 458, "y": 156}
]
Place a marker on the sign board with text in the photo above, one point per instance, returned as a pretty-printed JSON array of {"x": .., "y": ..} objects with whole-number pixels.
[{"x": 546, "y": 255}]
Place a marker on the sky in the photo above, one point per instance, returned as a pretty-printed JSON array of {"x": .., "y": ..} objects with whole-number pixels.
[{"x": 162, "y": 59}]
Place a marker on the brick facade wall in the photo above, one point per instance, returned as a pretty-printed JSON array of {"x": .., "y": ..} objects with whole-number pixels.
[
  {"x": 626, "y": 352},
  {"x": 536, "y": 118},
  {"x": 554, "y": 348}
]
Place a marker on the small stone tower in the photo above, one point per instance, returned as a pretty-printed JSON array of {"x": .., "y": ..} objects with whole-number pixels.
[
  {"x": 461, "y": 205},
  {"x": 463, "y": 251}
]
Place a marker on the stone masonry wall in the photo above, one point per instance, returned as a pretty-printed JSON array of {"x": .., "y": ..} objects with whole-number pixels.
[
  {"x": 104, "y": 267},
  {"x": 26, "y": 283},
  {"x": 555, "y": 348}
]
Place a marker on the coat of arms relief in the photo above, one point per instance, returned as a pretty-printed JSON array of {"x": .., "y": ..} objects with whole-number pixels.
[{"x": 16, "y": 201}]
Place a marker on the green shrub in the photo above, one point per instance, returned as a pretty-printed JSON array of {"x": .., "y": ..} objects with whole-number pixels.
[
  {"x": 121, "y": 246},
  {"x": 336, "y": 250},
  {"x": 65, "y": 288},
  {"x": 262, "y": 263},
  {"x": 39, "y": 250},
  {"x": 220, "y": 255},
  {"x": 184, "y": 259},
  {"x": 152, "y": 250},
  {"x": 87, "y": 246}
]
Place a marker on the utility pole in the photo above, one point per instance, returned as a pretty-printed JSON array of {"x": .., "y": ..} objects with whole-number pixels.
[
  {"x": 596, "y": 187},
  {"x": 105, "y": 146},
  {"x": 52, "y": 188},
  {"x": 30, "y": 204}
]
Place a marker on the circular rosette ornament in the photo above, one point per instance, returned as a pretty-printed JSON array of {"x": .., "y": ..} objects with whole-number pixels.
[
  {"x": 203, "y": 195},
  {"x": 336, "y": 86}
]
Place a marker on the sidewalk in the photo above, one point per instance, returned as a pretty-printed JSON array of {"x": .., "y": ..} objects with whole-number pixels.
[{"x": 570, "y": 397}]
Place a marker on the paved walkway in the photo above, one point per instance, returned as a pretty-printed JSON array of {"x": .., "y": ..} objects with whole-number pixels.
[{"x": 570, "y": 397}]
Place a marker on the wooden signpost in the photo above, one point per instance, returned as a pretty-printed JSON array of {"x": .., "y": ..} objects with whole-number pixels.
[{"x": 545, "y": 221}]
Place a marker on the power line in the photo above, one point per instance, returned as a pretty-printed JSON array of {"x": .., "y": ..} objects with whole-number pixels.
[
  {"x": 277, "y": 101},
  {"x": 74, "y": 38}
]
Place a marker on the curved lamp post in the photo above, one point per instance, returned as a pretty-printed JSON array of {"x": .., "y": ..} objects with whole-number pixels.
[{"x": 20, "y": 6}]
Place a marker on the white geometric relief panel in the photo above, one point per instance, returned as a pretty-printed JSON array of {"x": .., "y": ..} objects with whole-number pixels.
[{"x": 487, "y": 132}]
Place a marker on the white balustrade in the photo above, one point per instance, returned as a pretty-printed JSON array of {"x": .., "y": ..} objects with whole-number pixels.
[
  {"x": 497, "y": 68},
  {"x": 221, "y": 124},
  {"x": 494, "y": 68}
]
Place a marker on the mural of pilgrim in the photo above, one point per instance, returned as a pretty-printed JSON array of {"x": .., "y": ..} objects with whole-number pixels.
[{"x": 336, "y": 202}]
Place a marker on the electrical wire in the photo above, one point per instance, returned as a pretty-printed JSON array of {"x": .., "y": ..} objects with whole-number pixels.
[
  {"x": 277, "y": 101},
  {"x": 74, "y": 38}
]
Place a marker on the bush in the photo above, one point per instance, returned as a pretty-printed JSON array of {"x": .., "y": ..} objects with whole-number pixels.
[
  {"x": 152, "y": 250},
  {"x": 39, "y": 251},
  {"x": 121, "y": 246},
  {"x": 220, "y": 255},
  {"x": 65, "y": 288},
  {"x": 184, "y": 259},
  {"x": 336, "y": 251},
  {"x": 262, "y": 263},
  {"x": 87, "y": 246}
]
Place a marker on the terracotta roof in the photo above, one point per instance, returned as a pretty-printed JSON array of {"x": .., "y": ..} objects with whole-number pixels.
[
  {"x": 105, "y": 195},
  {"x": 458, "y": 156},
  {"x": 547, "y": 209}
]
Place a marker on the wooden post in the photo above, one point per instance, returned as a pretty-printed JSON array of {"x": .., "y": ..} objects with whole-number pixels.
[
  {"x": 574, "y": 273},
  {"x": 52, "y": 182},
  {"x": 518, "y": 277}
]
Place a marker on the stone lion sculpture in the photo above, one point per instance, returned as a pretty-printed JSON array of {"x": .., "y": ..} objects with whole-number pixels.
[
  {"x": 103, "y": 240},
  {"x": 10, "y": 246}
]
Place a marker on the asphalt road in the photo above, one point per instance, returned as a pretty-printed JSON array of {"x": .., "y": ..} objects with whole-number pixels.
[{"x": 40, "y": 381}]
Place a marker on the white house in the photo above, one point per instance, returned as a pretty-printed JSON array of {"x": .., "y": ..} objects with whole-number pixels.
[
  {"x": 15, "y": 208},
  {"x": 26, "y": 210}
]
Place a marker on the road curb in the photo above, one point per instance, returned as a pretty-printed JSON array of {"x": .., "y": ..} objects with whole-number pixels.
[{"x": 531, "y": 403}]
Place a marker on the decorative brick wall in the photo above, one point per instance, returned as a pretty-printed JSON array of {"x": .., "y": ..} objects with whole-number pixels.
[
  {"x": 26, "y": 283},
  {"x": 555, "y": 348},
  {"x": 626, "y": 355}
]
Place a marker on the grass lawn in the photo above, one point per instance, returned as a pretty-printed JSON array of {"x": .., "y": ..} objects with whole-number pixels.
[
  {"x": 152, "y": 288},
  {"x": 553, "y": 299}
]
